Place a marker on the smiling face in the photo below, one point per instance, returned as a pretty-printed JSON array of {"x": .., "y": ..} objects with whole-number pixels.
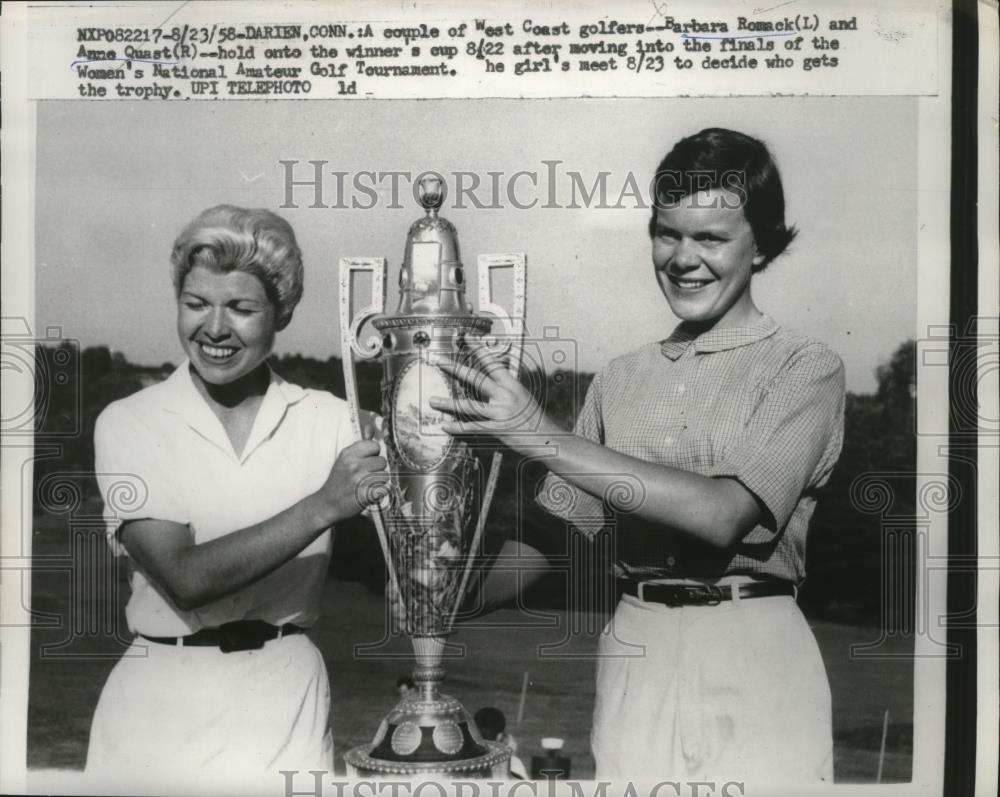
[
  {"x": 225, "y": 322},
  {"x": 704, "y": 254}
]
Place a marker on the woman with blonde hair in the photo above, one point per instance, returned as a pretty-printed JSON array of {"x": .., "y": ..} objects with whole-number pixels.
[{"x": 238, "y": 477}]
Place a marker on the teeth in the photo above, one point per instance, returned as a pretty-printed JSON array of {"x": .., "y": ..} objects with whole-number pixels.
[
  {"x": 216, "y": 351},
  {"x": 691, "y": 283}
]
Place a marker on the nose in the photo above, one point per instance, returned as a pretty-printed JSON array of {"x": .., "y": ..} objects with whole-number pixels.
[
  {"x": 215, "y": 326},
  {"x": 686, "y": 256}
]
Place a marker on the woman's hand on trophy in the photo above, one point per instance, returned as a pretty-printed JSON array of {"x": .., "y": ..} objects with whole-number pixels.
[
  {"x": 506, "y": 409},
  {"x": 358, "y": 479}
]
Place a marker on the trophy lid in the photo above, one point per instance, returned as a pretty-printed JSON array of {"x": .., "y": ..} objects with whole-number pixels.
[{"x": 432, "y": 280}]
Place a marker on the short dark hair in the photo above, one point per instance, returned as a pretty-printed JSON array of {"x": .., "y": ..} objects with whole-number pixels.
[
  {"x": 491, "y": 722},
  {"x": 719, "y": 158},
  {"x": 405, "y": 680}
]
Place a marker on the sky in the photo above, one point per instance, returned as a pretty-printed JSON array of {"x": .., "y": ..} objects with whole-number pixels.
[{"x": 116, "y": 182}]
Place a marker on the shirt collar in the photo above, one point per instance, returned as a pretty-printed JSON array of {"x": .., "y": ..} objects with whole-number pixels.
[
  {"x": 181, "y": 397},
  {"x": 717, "y": 339}
]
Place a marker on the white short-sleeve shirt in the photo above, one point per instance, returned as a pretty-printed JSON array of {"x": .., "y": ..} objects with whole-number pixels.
[{"x": 163, "y": 454}]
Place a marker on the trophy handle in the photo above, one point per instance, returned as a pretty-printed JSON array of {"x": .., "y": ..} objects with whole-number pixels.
[
  {"x": 350, "y": 327},
  {"x": 350, "y": 324},
  {"x": 491, "y": 486},
  {"x": 513, "y": 331},
  {"x": 513, "y": 322}
]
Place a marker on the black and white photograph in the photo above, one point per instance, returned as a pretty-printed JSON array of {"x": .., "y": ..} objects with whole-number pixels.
[{"x": 483, "y": 439}]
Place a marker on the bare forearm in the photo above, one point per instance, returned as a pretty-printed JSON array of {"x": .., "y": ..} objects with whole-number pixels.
[
  {"x": 196, "y": 574},
  {"x": 212, "y": 570},
  {"x": 716, "y": 511}
]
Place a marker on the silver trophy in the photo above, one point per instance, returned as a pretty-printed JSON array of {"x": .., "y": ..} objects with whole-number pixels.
[{"x": 428, "y": 524}]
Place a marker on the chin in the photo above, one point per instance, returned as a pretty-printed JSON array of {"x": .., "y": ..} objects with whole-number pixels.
[
  {"x": 686, "y": 311},
  {"x": 216, "y": 374}
]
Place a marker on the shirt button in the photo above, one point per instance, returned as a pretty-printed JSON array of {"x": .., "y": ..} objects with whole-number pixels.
[
  {"x": 668, "y": 441},
  {"x": 671, "y": 561},
  {"x": 680, "y": 390}
]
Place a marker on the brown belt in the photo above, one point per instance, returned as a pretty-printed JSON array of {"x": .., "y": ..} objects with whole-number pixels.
[
  {"x": 230, "y": 637},
  {"x": 703, "y": 594}
]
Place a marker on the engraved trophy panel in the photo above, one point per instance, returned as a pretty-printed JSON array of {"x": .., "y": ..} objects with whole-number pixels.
[{"x": 431, "y": 522}]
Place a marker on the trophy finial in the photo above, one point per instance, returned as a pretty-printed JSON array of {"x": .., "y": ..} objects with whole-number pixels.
[{"x": 431, "y": 191}]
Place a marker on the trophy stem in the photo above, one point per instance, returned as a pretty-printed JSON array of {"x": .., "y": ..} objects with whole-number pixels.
[{"x": 428, "y": 673}]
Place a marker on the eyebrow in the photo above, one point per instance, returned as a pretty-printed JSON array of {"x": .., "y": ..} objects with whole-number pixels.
[
  {"x": 714, "y": 230},
  {"x": 237, "y": 300}
]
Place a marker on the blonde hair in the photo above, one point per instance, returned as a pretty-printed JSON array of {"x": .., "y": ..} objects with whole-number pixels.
[{"x": 254, "y": 240}]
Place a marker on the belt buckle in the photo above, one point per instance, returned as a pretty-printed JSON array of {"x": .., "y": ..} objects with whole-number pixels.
[
  {"x": 713, "y": 595},
  {"x": 676, "y": 595},
  {"x": 666, "y": 589},
  {"x": 671, "y": 595},
  {"x": 701, "y": 594},
  {"x": 235, "y": 636}
]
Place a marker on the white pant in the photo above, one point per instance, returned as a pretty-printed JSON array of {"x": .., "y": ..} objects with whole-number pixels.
[
  {"x": 732, "y": 692},
  {"x": 169, "y": 713}
]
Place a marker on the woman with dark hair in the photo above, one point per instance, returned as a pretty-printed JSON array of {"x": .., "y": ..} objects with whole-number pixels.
[
  {"x": 703, "y": 452},
  {"x": 232, "y": 480}
]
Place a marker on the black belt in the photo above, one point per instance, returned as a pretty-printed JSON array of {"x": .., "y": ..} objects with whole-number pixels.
[
  {"x": 230, "y": 637},
  {"x": 702, "y": 594}
]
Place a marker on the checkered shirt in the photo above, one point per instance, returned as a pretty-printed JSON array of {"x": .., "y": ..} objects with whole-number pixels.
[{"x": 753, "y": 403}]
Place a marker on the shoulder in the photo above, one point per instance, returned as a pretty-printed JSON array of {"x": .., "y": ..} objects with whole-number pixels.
[
  {"x": 789, "y": 352},
  {"x": 318, "y": 414},
  {"x": 625, "y": 373},
  {"x": 635, "y": 361},
  {"x": 322, "y": 403},
  {"x": 141, "y": 409},
  {"x": 619, "y": 372},
  {"x": 136, "y": 423},
  {"x": 800, "y": 348},
  {"x": 315, "y": 415}
]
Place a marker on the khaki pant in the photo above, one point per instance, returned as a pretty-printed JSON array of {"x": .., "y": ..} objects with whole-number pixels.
[
  {"x": 732, "y": 692},
  {"x": 169, "y": 714}
]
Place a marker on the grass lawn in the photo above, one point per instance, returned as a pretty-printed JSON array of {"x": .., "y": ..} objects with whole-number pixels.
[{"x": 72, "y": 656}]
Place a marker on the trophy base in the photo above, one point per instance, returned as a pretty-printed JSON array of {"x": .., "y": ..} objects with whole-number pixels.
[
  {"x": 429, "y": 735},
  {"x": 495, "y": 763}
]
